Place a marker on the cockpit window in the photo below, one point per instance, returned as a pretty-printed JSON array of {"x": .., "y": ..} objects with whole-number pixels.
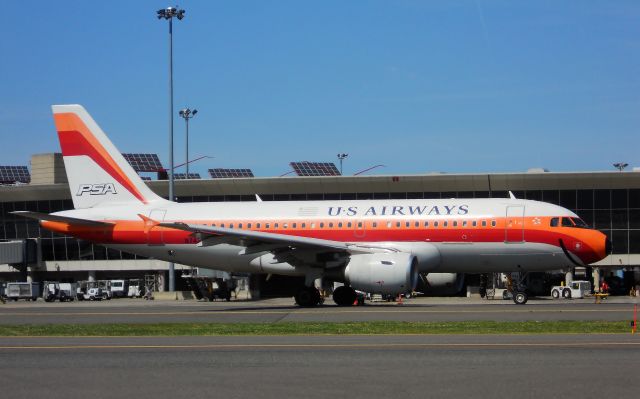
[
  {"x": 580, "y": 223},
  {"x": 566, "y": 222},
  {"x": 554, "y": 222}
]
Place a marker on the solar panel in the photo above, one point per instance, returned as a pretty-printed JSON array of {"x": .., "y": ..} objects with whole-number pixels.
[
  {"x": 222, "y": 173},
  {"x": 14, "y": 174},
  {"x": 144, "y": 162},
  {"x": 306, "y": 168},
  {"x": 183, "y": 176}
]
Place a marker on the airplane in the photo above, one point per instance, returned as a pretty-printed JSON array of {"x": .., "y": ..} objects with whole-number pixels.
[{"x": 375, "y": 246}]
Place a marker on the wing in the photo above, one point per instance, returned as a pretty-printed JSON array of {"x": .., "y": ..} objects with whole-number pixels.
[{"x": 286, "y": 248}]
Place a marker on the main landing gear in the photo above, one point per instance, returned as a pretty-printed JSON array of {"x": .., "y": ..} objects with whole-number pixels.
[
  {"x": 344, "y": 296},
  {"x": 309, "y": 297}
]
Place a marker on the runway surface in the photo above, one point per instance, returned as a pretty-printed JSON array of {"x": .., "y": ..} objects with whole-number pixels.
[
  {"x": 283, "y": 310},
  {"x": 437, "y": 366}
]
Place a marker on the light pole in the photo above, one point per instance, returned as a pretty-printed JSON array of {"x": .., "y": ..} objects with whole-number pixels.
[
  {"x": 342, "y": 157},
  {"x": 187, "y": 114},
  {"x": 620, "y": 165},
  {"x": 169, "y": 13}
]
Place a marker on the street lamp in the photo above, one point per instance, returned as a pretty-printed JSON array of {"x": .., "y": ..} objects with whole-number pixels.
[
  {"x": 169, "y": 13},
  {"x": 620, "y": 165},
  {"x": 342, "y": 157},
  {"x": 187, "y": 114}
]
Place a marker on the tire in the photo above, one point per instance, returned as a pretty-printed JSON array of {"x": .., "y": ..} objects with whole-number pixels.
[
  {"x": 344, "y": 296},
  {"x": 520, "y": 297},
  {"x": 308, "y": 297},
  {"x": 555, "y": 294},
  {"x": 566, "y": 293}
]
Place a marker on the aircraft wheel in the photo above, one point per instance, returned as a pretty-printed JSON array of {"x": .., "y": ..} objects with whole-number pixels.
[
  {"x": 308, "y": 297},
  {"x": 520, "y": 298},
  {"x": 344, "y": 296}
]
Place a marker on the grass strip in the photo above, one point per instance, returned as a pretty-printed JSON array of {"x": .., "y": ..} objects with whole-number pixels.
[{"x": 315, "y": 328}]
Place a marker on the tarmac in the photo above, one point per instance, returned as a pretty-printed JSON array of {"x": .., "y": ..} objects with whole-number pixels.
[
  {"x": 284, "y": 310},
  {"x": 315, "y": 366},
  {"x": 362, "y": 366}
]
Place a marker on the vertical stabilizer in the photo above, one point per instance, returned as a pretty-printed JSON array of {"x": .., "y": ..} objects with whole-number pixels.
[{"x": 98, "y": 173}]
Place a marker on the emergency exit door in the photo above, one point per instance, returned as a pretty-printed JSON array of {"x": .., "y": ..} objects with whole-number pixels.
[{"x": 514, "y": 224}]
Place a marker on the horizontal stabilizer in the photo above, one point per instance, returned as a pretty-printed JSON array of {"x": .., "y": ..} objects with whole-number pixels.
[{"x": 61, "y": 219}]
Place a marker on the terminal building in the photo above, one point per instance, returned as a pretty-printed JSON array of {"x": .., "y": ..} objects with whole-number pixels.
[{"x": 608, "y": 201}]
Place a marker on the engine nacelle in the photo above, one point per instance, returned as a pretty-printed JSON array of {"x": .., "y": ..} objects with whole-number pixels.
[
  {"x": 382, "y": 273},
  {"x": 445, "y": 284}
]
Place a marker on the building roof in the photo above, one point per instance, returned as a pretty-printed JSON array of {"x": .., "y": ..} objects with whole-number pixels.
[{"x": 434, "y": 182}]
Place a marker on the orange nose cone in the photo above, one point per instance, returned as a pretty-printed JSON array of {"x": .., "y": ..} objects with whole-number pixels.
[{"x": 601, "y": 246}]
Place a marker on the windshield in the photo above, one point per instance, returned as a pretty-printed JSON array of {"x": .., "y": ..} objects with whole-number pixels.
[{"x": 580, "y": 223}]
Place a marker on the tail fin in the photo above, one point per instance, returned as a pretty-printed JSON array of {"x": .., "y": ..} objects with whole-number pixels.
[{"x": 97, "y": 172}]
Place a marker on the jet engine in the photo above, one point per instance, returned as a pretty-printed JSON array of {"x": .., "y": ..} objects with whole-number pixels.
[
  {"x": 442, "y": 284},
  {"x": 382, "y": 273}
]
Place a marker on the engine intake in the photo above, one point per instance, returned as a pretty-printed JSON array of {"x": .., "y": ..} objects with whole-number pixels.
[{"x": 383, "y": 273}]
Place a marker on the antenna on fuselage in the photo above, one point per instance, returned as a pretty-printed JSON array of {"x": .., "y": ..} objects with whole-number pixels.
[
  {"x": 511, "y": 195},
  {"x": 258, "y": 198}
]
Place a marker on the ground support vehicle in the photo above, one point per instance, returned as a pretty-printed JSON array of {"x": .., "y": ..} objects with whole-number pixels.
[
  {"x": 576, "y": 289},
  {"x": 135, "y": 289},
  {"x": 119, "y": 288},
  {"x": 94, "y": 294},
  {"x": 23, "y": 290}
]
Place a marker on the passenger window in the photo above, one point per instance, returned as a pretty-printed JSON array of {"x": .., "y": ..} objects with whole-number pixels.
[
  {"x": 435, "y": 224},
  {"x": 230, "y": 225},
  {"x": 416, "y": 224},
  {"x": 340, "y": 224},
  {"x": 426, "y": 224},
  {"x": 445, "y": 224},
  {"x": 330, "y": 224},
  {"x": 249, "y": 225},
  {"x": 221, "y": 224},
  {"x": 266, "y": 225},
  {"x": 285, "y": 225},
  {"x": 239, "y": 225},
  {"x": 321, "y": 225},
  {"x": 313, "y": 225},
  {"x": 349, "y": 225},
  {"x": 484, "y": 223},
  {"x": 388, "y": 225},
  {"x": 359, "y": 225},
  {"x": 398, "y": 224},
  {"x": 493, "y": 223},
  {"x": 554, "y": 222},
  {"x": 375, "y": 224},
  {"x": 464, "y": 223},
  {"x": 304, "y": 225},
  {"x": 275, "y": 226},
  {"x": 295, "y": 225},
  {"x": 474, "y": 223},
  {"x": 455, "y": 223},
  {"x": 407, "y": 224}
]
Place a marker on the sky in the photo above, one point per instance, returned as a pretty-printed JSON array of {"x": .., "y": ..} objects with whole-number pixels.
[{"x": 418, "y": 86}]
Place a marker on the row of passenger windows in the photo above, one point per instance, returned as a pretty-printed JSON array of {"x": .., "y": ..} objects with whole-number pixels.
[{"x": 359, "y": 225}]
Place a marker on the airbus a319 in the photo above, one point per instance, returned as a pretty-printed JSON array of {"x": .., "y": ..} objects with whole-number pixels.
[{"x": 376, "y": 246}]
